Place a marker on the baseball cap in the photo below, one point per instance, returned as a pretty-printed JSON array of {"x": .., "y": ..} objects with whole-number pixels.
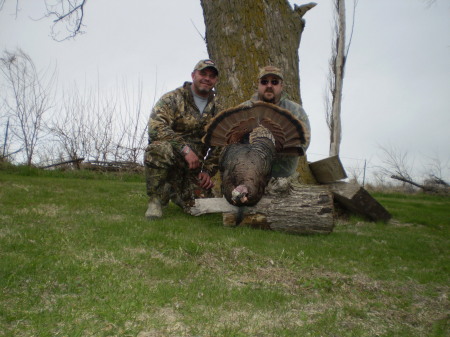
[
  {"x": 203, "y": 64},
  {"x": 270, "y": 70}
]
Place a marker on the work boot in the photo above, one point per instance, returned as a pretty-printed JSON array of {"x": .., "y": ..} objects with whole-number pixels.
[{"x": 154, "y": 210}]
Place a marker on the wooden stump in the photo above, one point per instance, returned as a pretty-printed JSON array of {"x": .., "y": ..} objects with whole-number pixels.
[
  {"x": 328, "y": 170},
  {"x": 357, "y": 200},
  {"x": 305, "y": 209}
]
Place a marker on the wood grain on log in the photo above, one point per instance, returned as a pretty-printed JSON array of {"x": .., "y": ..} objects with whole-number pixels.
[
  {"x": 328, "y": 170},
  {"x": 306, "y": 209}
]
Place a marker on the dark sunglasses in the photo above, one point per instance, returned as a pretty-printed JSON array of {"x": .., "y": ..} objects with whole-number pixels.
[{"x": 265, "y": 82}]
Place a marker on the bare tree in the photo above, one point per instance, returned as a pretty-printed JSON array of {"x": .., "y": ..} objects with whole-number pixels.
[
  {"x": 398, "y": 165},
  {"x": 101, "y": 127},
  {"x": 67, "y": 17},
  {"x": 69, "y": 126},
  {"x": 434, "y": 173},
  {"x": 338, "y": 60},
  {"x": 29, "y": 96},
  {"x": 356, "y": 172},
  {"x": 132, "y": 134},
  {"x": 396, "y": 162},
  {"x": 101, "y": 109}
]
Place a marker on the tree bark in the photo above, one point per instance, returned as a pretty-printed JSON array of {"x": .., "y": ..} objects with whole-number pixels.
[
  {"x": 245, "y": 35},
  {"x": 338, "y": 64},
  {"x": 328, "y": 170}
]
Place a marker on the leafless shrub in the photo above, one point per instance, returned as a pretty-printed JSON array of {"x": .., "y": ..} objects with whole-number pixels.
[
  {"x": 396, "y": 162},
  {"x": 69, "y": 125},
  {"x": 29, "y": 95},
  {"x": 102, "y": 126},
  {"x": 398, "y": 166},
  {"x": 132, "y": 125},
  {"x": 435, "y": 170}
]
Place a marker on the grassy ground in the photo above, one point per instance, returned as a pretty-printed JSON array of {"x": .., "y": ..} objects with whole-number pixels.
[{"x": 77, "y": 258}]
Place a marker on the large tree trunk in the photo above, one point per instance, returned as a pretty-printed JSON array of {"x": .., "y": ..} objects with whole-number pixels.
[{"x": 244, "y": 35}]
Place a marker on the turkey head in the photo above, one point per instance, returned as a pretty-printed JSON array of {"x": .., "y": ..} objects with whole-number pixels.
[{"x": 251, "y": 136}]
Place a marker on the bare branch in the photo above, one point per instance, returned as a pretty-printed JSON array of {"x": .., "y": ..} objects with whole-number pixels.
[
  {"x": 396, "y": 163},
  {"x": 200, "y": 34},
  {"x": 68, "y": 14},
  {"x": 355, "y": 4}
]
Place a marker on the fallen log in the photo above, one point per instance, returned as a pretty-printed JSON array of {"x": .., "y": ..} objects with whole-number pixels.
[
  {"x": 356, "y": 199},
  {"x": 76, "y": 161},
  {"x": 304, "y": 209}
]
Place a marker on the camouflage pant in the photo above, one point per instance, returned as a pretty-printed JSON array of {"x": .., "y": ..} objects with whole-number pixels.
[{"x": 168, "y": 176}]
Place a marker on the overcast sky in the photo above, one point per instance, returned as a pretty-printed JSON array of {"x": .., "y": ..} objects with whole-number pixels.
[{"x": 396, "y": 87}]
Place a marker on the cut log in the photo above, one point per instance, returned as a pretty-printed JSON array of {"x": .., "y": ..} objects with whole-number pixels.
[
  {"x": 356, "y": 199},
  {"x": 328, "y": 170},
  {"x": 306, "y": 209}
]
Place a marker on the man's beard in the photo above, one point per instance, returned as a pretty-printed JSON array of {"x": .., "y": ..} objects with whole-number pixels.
[
  {"x": 203, "y": 90},
  {"x": 271, "y": 100}
]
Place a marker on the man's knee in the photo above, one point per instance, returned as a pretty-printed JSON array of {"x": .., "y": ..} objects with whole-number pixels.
[{"x": 159, "y": 154}]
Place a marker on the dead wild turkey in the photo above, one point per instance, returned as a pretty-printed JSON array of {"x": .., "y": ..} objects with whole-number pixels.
[{"x": 251, "y": 136}]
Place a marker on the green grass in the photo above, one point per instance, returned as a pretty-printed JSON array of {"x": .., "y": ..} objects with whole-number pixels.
[
  {"x": 77, "y": 258},
  {"x": 428, "y": 210}
]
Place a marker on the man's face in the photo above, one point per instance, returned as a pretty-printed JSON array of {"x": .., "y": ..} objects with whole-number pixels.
[
  {"x": 269, "y": 88},
  {"x": 203, "y": 81}
]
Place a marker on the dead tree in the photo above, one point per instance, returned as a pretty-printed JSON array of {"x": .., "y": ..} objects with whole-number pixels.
[
  {"x": 29, "y": 97},
  {"x": 339, "y": 54}
]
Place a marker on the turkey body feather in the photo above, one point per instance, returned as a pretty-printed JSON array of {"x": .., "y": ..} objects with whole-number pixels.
[
  {"x": 251, "y": 136},
  {"x": 245, "y": 171}
]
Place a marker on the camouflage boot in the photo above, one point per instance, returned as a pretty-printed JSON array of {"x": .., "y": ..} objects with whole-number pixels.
[{"x": 154, "y": 210}]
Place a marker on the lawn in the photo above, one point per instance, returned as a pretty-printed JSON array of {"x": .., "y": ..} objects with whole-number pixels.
[{"x": 77, "y": 258}]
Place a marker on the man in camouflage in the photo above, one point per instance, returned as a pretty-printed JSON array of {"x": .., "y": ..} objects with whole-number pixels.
[
  {"x": 178, "y": 166},
  {"x": 270, "y": 89}
]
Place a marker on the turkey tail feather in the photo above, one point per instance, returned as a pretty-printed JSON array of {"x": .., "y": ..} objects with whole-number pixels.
[{"x": 229, "y": 126}]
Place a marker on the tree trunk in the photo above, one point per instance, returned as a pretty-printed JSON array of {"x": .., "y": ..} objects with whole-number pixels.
[
  {"x": 338, "y": 64},
  {"x": 245, "y": 35}
]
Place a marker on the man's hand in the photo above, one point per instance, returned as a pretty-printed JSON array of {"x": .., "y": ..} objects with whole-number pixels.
[
  {"x": 191, "y": 158},
  {"x": 204, "y": 181}
]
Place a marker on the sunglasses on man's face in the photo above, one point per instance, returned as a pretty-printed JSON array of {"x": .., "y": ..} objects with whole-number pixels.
[{"x": 265, "y": 82}]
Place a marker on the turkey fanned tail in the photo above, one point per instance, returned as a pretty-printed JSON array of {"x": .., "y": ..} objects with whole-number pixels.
[{"x": 232, "y": 125}]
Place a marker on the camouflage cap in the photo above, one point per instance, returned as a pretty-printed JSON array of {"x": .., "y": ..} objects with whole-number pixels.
[
  {"x": 270, "y": 70},
  {"x": 203, "y": 64}
]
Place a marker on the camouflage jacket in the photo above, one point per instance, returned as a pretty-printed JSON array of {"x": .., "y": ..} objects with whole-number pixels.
[
  {"x": 175, "y": 118},
  {"x": 286, "y": 165}
]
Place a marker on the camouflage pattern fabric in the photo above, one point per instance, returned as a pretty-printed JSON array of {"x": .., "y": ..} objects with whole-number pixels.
[
  {"x": 175, "y": 121},
  {"x": 286, "y": 165},
  {"x": 169, "y": 178}
]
